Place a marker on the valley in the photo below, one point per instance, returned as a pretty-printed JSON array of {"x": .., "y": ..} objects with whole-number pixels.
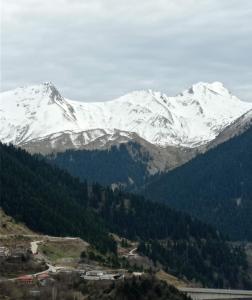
[{"x": 126, "y": 150}]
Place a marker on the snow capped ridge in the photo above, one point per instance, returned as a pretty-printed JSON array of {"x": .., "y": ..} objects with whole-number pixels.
[
  {"x": 205, "y": 88},
  {"x": 215, "y": 86},
  {"x": 192, "y": 118}
]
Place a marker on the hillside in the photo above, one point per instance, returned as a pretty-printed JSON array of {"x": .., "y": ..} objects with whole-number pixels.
[
  {"x": 9, "y": 226},
  {"x": 127, "y": 165},
  {"x": 120, "y": 166},
  {"x": 50, "y": 201},
  {"x": 47, "y": 200},
  {"x": 135, "y": 289},
  {"x": 215, "y": 187},
  {"x": 76, "y": 288}
]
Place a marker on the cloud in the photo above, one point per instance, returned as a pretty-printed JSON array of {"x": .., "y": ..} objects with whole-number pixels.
[{"x": 101, "y": 49}]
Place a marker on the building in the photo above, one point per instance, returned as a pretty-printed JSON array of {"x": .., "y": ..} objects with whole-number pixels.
[
  {"x": 4, "y": 252},
  {"x": 26, "y": 279},
  {"x": 95, "y": 273},
  {"x": 101, "y": 275},
  {"x": 137, "y": 274}
]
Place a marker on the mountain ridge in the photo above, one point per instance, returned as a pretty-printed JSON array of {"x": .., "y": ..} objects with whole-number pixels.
[{"x": 190, "y": 119}]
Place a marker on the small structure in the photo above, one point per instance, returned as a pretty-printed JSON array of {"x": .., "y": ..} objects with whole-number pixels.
[
  {"x": 4, "y": 252},
  {"x": 95, "y": 273},
  {"x": 18, "y": 254},
  {"x": 89, "y": 277}
]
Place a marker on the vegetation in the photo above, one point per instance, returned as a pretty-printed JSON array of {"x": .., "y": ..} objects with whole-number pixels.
[
  {"x": 70, "y": 287},
  {"x": 184, "y": 246},
  {"x": 13, "y": 267},
  {"x": 137, "y": 289},
  {"x": 9, "y": 225},
  {"x": 49, "y": 200},
  {"x": 191, "y": 258},
  {"x": 215, "y": 187},
  {"x": 58, "y": 251},
  {"x": 114, "y": 165}
]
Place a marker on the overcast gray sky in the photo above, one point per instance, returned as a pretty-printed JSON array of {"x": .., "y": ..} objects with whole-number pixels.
[{"x": 101, "y": 49}]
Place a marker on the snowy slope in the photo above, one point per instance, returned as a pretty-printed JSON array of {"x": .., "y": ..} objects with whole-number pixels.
[
  {"x": 189, "y": 119},
  {"x": 237, "y": 127}
]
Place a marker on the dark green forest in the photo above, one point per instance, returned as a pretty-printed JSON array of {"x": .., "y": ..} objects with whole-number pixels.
[
  {"x": 50, "y": 201},
  {"x": 192, "y": 260},
  {"x": 215, "y": 187},
  {"x": 184, "y": 246},
  {"x": 108, "y": 166}
]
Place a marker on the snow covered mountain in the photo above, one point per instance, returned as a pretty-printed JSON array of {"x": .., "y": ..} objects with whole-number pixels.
[{"x": 190, "y": 119}]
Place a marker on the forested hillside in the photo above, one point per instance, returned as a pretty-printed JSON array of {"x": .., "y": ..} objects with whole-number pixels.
[
  {"x": 215, "y": 187},
  {"x": 182, "y": 245},
  {"x": 124, "y": 165},
  {"x": 50, "y": 201}
]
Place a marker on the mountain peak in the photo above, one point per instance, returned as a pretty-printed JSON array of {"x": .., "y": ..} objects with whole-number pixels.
[
  {"x": 204, "y": 88},
  {"x": 45, "y": 90},
  {"x": 36, "y": 91},
  {"x": 52, "y": 92}
]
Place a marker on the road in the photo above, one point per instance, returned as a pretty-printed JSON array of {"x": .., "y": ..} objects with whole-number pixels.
[
  {"x": 34, "y": 247},
  {"x": 131, "y": 253},
  {"x": 208, "y": 294}
]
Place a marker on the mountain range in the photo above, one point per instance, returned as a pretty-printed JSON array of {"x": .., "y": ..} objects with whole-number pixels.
[
  {"x": 133, "y": 141},
  {"x": 169, "y": 130},
  {"x": 190, "y": 119}
]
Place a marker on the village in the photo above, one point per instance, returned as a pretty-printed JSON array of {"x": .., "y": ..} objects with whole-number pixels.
[{"x": 28, "y": 261}]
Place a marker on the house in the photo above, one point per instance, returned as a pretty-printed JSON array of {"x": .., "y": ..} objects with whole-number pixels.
[
  {"x": 26, "y": 279},
  {"x": 18, "y": 256},
  {"x": 4, "y": 252}
]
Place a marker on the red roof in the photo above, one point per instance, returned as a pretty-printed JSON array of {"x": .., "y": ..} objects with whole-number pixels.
[{"x": 25, "y": 278}]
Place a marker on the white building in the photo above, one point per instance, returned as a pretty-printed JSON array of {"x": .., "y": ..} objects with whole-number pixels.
[{"x": 4, "y": 252}]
